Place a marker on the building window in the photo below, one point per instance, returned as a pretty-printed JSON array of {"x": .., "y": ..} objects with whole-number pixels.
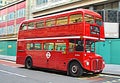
[
  {"x": 10, "y": 29},
  {"x": 3, "y": 18},
  {"x": 113, "y": 5},
  {"x": 0, "y": 1},
  {"x": 11, "y": 16},
  {"x": 100, "y": 7},
  {"x": 21, "y": 13},
  {"x": 2, "y": 31},
  {"x": 108, "y": 6},
  {"x": 39, "y": 2}
]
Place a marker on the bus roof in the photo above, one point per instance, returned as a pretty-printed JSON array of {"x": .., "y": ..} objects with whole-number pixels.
[{"x": 85, "y": 11}]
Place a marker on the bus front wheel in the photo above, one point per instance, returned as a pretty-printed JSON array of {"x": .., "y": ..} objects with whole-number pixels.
[
  {"x": 28, "y": 63},
  {"x": 75, "y": 69}
]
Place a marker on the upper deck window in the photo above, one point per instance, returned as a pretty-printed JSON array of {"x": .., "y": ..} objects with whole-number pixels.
[
  {"x": 62, "y": 20},
  {"x": 50, "y": 22},
  {"x": 23, "y": 27},
  {"x": 89, "y": 19},
  {"x": 31, "y": 25},
  {"x": 75, "y": 18},
  {"x": 98, "y": 21},
  {"x": 40, "y": 24}
]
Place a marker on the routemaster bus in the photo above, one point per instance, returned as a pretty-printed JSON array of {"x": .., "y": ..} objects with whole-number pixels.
[{"x": 63, "y": 41}]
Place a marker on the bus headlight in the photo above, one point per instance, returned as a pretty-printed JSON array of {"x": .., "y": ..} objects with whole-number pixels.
[
  {"x": 104, "y": 62},
  {"x": 87, "y": 63}
]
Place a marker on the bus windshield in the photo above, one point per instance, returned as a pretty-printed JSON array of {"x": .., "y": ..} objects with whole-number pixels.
[
  {"x": 99, "y": 21},
  {"x": 90, "y": 46}
]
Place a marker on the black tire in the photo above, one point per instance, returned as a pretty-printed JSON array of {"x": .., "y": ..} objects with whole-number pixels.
[
  {"x": 28, "y": 63},
  {"x": 75, "y": 69}
]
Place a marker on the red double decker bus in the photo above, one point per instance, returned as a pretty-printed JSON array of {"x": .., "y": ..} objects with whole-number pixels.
[{"x": 63, "y": 41}]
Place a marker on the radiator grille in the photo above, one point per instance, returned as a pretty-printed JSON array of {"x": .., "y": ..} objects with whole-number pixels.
[{"x": 96, "y": 64}]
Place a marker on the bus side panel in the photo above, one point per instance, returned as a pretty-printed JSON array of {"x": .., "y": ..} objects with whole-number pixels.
[
  {"x": 38, "y": 58},
  {"x": 61, "y": 61}
]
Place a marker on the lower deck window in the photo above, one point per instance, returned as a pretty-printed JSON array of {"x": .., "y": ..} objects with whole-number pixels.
[
  {"x": 34, "y": 46},
  {"x": 48, "y": 46},
  {"x": 60, "y": 46}
]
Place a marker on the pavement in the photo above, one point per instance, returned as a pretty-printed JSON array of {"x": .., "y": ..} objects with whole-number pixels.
[{"x": 110, "y": 69}]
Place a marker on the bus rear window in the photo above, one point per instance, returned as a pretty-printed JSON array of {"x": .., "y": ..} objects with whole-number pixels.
[
  {"x": 23, "y": 27},
  {"x": 89, "y": 19}
]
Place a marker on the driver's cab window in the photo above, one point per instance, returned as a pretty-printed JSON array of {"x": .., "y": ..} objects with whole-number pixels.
[
  {"x": 76, "y": 45},
  {"x": 79, "y": 45},
  {"x": 90, "y": 46}
]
